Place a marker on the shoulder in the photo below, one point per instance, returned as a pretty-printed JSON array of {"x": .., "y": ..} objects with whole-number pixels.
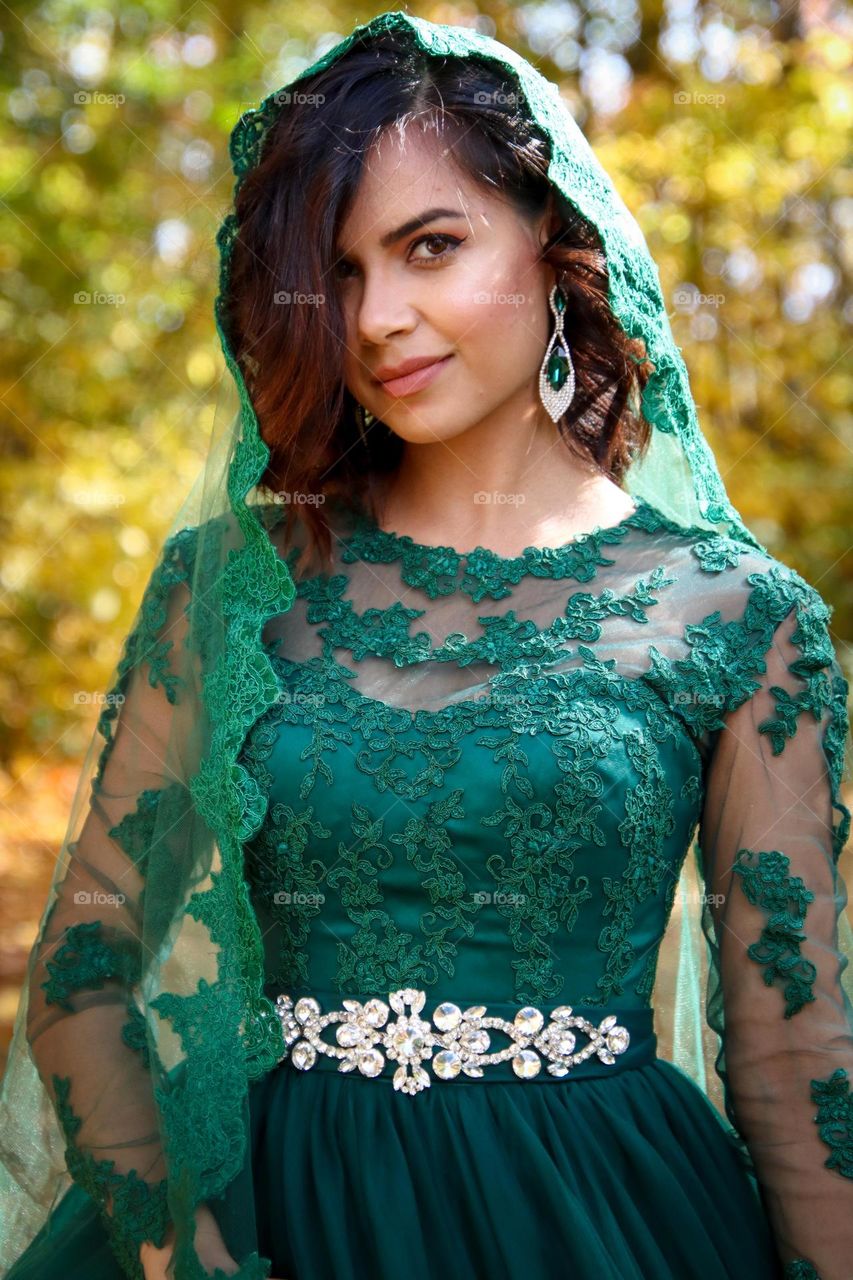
[
  {"x": 739, "y": 578},
  {"x": 762, "y": 658},
  {"x": 748, "y": 622}
]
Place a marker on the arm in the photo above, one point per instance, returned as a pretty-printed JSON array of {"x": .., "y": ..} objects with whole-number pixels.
[
  {"x": 86, "y": 1027},
  {"x": 770, "y": 837}
]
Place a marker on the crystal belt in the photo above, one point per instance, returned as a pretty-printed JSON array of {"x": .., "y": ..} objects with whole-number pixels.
[{"x": 575, "y": 1041}]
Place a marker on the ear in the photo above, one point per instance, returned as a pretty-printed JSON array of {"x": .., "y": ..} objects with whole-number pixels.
[
  {"x": 550, "y": 221},
  {"x": 548, "y": 224}
]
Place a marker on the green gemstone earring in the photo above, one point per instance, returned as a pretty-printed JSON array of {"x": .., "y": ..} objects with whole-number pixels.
[{"x": 557, "y": 373}]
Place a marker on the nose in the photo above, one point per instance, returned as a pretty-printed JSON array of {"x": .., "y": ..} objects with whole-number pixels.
[{"x": 382, "y": 309}]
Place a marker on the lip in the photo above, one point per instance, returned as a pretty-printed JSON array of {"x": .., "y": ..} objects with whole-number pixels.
[{"x": 412, "y": 375}]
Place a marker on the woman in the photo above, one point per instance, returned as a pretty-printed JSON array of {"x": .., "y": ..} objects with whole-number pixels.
[{"x": 385, "y": 759}]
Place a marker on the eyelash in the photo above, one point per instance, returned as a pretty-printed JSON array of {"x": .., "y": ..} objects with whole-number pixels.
[{"x": 451, "y": 243}]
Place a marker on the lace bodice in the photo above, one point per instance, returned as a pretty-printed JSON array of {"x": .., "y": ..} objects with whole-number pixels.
[{"x": 466, "y": 788}]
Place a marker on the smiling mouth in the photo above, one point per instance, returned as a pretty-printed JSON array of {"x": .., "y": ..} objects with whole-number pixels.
[{"x": 409, "y": 383}]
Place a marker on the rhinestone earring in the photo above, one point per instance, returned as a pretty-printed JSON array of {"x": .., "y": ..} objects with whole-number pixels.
[{"x": 557, "y": 373}]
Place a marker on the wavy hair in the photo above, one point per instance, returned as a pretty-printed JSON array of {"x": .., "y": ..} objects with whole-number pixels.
[{"x": 290, "y": 208}]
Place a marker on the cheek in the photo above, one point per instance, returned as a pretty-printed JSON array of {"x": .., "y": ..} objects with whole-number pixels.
[{"x": 504, "y": 326}]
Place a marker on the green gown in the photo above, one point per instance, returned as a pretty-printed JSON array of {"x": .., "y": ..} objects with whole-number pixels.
[{"x": 483, "y": 776}]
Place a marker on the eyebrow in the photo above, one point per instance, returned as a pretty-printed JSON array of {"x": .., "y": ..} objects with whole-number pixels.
[{"x": 429, "y": 215}]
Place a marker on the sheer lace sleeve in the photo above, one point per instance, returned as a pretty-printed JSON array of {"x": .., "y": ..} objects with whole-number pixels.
[
  {"x": 86, "y": 1029},
  {"x": 770, "y": 839}
]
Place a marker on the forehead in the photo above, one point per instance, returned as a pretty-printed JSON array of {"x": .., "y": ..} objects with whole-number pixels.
[{"x": 404, "y": 173}]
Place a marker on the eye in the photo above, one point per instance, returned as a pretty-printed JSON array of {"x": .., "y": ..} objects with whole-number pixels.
[{"x": 449, "y": 243}]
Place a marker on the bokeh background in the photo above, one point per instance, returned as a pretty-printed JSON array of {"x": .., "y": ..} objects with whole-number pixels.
[{"x": 724, "y": 126}]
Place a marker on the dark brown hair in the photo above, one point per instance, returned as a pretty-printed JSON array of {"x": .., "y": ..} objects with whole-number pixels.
[{"x": 289, "y": 210}]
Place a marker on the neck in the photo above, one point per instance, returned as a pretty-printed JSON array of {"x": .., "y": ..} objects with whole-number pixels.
[{"x": 500, "y": 484}]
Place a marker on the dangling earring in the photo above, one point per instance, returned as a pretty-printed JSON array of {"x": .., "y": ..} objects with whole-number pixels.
[
  {"x": 363, "y": 419},
  {"x": 557, "y": 373}
]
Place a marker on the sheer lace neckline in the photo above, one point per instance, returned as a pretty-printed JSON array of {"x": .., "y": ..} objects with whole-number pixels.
[{"x": 367, "y": 531}]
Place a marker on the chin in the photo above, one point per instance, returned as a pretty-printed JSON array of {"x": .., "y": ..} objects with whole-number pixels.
[
  {"x": 423, "y": 432},
  {"x": 426, "y": 424}
]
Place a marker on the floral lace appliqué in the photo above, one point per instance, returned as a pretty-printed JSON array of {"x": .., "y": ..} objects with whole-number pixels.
[
  {"x": 87, "y": 960},
  {"x": 785, "y": 899},
  {"x": 481, "y": 573},
  {"x": 834, "y": 1119}
]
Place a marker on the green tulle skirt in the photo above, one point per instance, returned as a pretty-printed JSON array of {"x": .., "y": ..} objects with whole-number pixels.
[{"x": 632, "y": 1177}]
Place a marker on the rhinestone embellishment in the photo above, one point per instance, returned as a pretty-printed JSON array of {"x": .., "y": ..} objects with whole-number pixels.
[
  {"x": 557, "y": 372},
  {"x": 457, "y": 1041}
]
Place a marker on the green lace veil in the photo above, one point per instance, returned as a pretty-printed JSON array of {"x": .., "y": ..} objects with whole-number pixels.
[{"x": 143, "y": 1020}]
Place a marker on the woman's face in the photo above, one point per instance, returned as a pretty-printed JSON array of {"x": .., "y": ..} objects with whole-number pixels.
[{"x": 465, "y": 287}]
